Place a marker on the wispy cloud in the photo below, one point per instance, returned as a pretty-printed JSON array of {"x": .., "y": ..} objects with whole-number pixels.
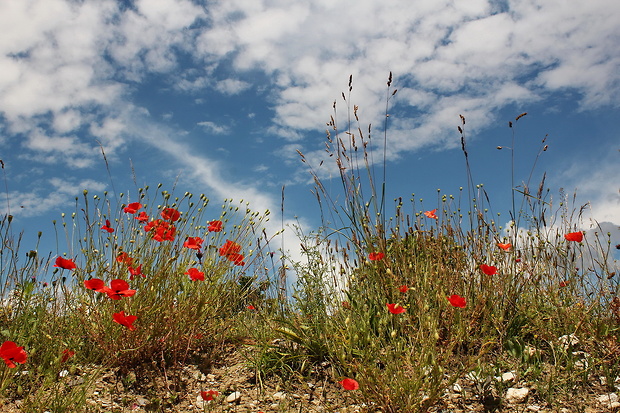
[
  {"x": 214, "y": 128},
  {"x": 53, "y": 195},
  {"x": 70, "y": 69}
]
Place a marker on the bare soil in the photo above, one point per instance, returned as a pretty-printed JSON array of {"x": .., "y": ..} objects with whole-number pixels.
[{"x": 155, "y": 389}]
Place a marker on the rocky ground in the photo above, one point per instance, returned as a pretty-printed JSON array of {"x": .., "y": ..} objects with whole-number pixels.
[{"x": 142, "y": 390}]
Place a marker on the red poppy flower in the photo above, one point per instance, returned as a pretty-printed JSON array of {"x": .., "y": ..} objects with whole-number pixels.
[
  {"x": 457, "y": 301},
  {"x": 563, "y": 283},
  {"x": 215, "y": 226},
  {"x": 125, "y": 320},
  {"x": 574, "y": 236},
  {"x": 431, "y": 214},
  {"x": 488, "y": 269},
  {"x": 231, "y": 250},
  {"x": 135, "y": 272},
  {"x": 107, "y": 227},
  {"x": 12, "y": 354},
  {"x": 170, "y": 214},
  {"x": 236, "y": 258},
  {"x": 349, "y": 384},
  {"x": 65, "y": 263},
  {"x": 66, "y": 355},
  {"x": 396, "y": 308},
  {"x": 403, "y": 288},
  {"x": 376, "y": 256},
  {"x": 195, "y": 274},
  {"x": 162, "y": 230},
  {"x": 142, "y": 217},
  {"x": 124, "y": 258},
  {"x": 132, "y": 208},
  {"x": 119, "y": 289},
  {"x": 251, "y": 307},
  {"x": 165, "y": 234},
  {"x": 209, "y": 395},
  {"x": 229, "y": 247},
  {"x": 505, "y": 247},
  {"x": 194, "y": 243},
  {"x": 95, "y": 284}
]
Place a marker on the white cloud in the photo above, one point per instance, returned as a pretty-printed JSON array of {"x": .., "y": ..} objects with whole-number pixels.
[
  {"x": 214, "y": 128},
  {"x": 68, "y": 65},
  {"x": 595, "y": 182},
  {"x": 437, "y": 50},
  {"x": 209, "y": 174},
  {"x": 56, "y": 195},
  {"x": 231, "y": 86},
  {"x": 66, "y": 121}
]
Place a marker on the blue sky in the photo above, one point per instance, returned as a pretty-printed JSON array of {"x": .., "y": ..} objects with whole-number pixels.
[{"x": 219, "y": 95}]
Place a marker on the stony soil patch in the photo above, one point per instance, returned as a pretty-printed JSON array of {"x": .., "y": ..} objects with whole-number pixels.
[{"x": 153, "y": 389}]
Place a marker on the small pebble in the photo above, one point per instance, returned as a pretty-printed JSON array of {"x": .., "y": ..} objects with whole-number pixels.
[
  {"x": 514, "y": 395},
  {"x": 233, "y": 397},
  {"x": 278, "y": 396}
]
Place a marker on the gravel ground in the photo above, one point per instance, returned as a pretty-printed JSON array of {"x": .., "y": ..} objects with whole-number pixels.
[{"x": 158, "y": 390}]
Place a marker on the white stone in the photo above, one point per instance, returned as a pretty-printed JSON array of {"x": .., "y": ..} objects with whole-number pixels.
[
  {"x": 199, "y": 376},
  {"x": 514, "y": 395},
  {"x": 567, "y": 341},
  {"x": 508, "y": 376},
  {"x": 279, "y": 396},
  {"x": 534, "y": 408},
  {"x": 607, "y": 398},
  {"x": 200, "y": 402},
  {"x": 141, "y": 401},
  {"x": 457, "y": 388},
  {"x": 233, "y": 397},
  {"x": 63, "y": 373}
]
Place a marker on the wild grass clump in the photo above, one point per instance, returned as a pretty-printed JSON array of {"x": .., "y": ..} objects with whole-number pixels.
[
  {"x": 396, "y": 310},
  {"x": 410, "y": 304},
  {"x": 138, "y": 282}
]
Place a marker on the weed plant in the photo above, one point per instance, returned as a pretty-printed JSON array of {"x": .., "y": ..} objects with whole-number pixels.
[
  {"x": 136, "y": 283},
  {"x": 397, "y": 309},
  {"x": 407, "y": 305}
]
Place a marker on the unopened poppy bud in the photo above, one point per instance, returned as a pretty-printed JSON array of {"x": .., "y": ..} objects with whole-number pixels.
[
  {"x": 500, "y": 148},
  {"x": 393, "y": 334},
  {"x": 389, "y": 272}
]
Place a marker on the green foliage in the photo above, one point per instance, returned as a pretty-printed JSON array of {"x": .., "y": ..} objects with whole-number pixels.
[
  {"x": 407, "y": 305},
  {"x": 175, "y": 315}
]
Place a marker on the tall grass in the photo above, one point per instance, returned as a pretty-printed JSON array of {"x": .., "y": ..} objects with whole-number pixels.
[
  {"x": 405, "y": 303},
  {"x": 111, "y": 267},
  {"x": 520, "y": 299}
]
